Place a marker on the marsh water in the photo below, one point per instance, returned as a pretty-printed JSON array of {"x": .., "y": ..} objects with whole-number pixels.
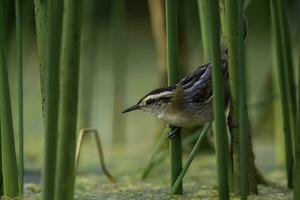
[{"x": 126, "y": 166}]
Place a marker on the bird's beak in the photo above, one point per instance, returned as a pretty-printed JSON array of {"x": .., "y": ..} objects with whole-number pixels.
[{"x": 135, "y": 107}]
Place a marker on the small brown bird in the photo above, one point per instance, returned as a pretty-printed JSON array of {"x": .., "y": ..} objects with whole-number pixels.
[{"x": 187, "y": 104}]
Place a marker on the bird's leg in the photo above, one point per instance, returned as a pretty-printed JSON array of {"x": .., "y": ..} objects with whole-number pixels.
[{"x": 173, "y": 131}]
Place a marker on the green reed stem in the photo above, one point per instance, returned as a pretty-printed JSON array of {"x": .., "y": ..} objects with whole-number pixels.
[
  {"x": 243, "y": 112},
  {"x": 20, "y": 88},
  {"x": 53, "y": 45},
  {"x": 297, "y": 142},
  {"x": 243, "y": 177},
  {"x": 212, "y": 32},
  {"x": 223, "y": 17},
  {"x": 284, "y": 96},
  {"x": 232, "y": 31},
  {"x": 68, "y": 102},
  {"x": 9, "y": 160},
  {"x": 288, "y": 63},
  {"x": 173, "y": 78},
  {"x": 204, "y": 22},
  {"x": 40, "y": 22},
  {"x": 191, "y": 158}
]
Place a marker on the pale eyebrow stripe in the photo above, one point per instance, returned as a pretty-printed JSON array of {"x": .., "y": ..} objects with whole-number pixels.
[{"x": 157, "y": 96}]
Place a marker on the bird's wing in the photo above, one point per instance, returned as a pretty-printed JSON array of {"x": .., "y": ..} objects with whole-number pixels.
[
  {"x": 193, "y": 77},
  {"x": 197, "y": 85}
]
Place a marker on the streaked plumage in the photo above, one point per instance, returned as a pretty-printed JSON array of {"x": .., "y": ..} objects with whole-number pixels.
[{"x": 188, "y": 103}]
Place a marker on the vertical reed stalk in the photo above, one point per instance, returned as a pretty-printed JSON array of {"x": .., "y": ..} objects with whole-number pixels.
[
  {"x": 119, "y": 43},
  {"x": 53, "y": 45},
  {"x": 282, "y": 79},
  {"x": 212, "y": 35},
  {"x": 297, "y": 143},
  {"x": 9, "y": 161},
  {"x": 204, "y": 22},
  {"x": 173, "y": 78},
  {"x": 232, "y": 29},
  {"x": 205, "y": 46},
  {"x": 243, "y": 113},
  {"x": 224, "y": 26},
  {"x": 20, "y": 88},
  {"x": 40, "y": 22},
  {"x": 288, "y": 63},
  {"x": 68, "y": 101},
  {"x": 245, "y": 174}
]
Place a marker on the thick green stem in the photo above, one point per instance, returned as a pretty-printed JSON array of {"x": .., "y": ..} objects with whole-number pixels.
[
  {"x": 204, "y": 22},
  {"x": 233, "y": 61},
  {"x": 173, "y": 78},
  {"x": 9, "y": 160},
  {"x": 243, "y": 113},
  {"x": 20, "y": 89},
  {"x": 68, "y": 101},
  {"x": 224, "y": 19},
  {"x": 288, "y": 62},
  {"x": 40, "y": 22},
  {"x": 284, "y": 96},
  {"x": 205, "y": 45},
  {"x": 238, "y": 110},
  {"x": 53, "y": 45},
  {"x": 212, "y": 33}
]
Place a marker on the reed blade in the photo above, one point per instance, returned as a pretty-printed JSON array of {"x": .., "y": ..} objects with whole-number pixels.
[
  {"x": 211, "y": 33},
  {"x": 68, "y": 101},
  {"x": 277, "y": 33},
  {"x": 9, "y": 160},
  {"x": 20, "y": 92},
  {"x": 52, "y": 55},
  {"x": 173, "y": 78}
]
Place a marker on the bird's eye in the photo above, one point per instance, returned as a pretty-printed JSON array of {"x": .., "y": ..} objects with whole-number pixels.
[{"x": 150, "y": 101}]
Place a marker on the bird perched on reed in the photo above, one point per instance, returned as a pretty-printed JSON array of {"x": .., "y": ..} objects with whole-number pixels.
[{"x": 189, "y": 103}]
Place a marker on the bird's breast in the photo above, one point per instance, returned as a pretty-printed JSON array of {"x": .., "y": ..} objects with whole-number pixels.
[{"x": 183, "y": 119}]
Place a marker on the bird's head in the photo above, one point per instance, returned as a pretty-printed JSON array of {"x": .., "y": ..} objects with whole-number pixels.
[{"x": 155, "y": 102}]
